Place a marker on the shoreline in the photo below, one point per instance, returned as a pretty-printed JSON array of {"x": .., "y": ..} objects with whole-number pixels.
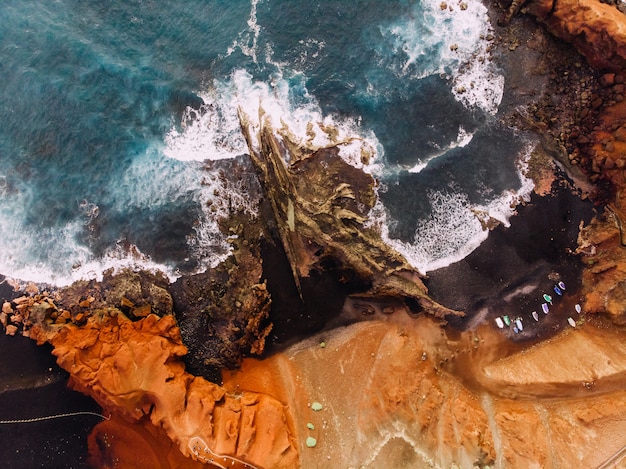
[
  {"x": 514, "y": 266},
  {"x": 412, "y": 368}
]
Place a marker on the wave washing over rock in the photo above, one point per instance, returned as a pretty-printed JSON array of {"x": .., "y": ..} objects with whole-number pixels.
[{"x": 150, "y": 201}]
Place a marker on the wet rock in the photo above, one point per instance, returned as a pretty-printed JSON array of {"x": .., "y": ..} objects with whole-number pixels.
[
  {"x": 319, "y": 206},
  {"x": 595, "y": 29},
  {"x": 137, "y": 288},
  {"x": 224, "y": 313}
]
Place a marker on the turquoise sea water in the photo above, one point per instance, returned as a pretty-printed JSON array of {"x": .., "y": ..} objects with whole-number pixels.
[{"x": 108, "y": 110}]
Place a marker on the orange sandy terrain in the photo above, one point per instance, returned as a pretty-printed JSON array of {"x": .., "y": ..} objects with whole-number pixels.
[{"x": 400, "y": 393}]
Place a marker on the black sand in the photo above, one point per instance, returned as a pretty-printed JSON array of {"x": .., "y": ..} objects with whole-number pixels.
[
  {"x": 33, "y": 386},
  {"x": 515, "y": 266}
]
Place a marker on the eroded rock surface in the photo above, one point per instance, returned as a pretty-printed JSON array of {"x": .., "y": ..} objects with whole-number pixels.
[
  {"x": 604, "y": 279},
  {"x": 134, "y": 370}
]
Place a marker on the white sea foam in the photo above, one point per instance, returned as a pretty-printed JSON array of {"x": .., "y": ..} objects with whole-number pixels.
[
  {"x": 455, "y": 227},
  {"x": 187, "y": 180},
  {"x": 214, "y": 131},
  {"x": 247, "y": 40},
  {"x": 218, "y": 198},
  {"x": 463, "y": 139},
  {"x": 53, "y": 256},
  {"x": 209, "y": 133},
  {"x": 450, "y": 41}
]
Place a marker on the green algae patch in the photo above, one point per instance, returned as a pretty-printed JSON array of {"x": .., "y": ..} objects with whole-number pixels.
[
  {"x": 311, "y": 442},
  {"x": 310, "y": 426},
  {"x": 317, "y": 406}
]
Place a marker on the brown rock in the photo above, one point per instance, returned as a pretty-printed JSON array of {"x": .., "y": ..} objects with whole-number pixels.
[
  {"x": 319, "y": 205},
  {"x": 79, "y": 318},
  {"x": 17, "y": 318},
  {"x": 604, "y": 282},
  {"x": 126, "y": 303},
  {"x": 141, "y": 311},
  {"x": 620, "y": 134},
  {"x": 608, "y": 79},
  {"x": 22, "y": 300},
  {"x": 87, "y": 302},
  {"x": 11, "y": 329},
  {"x": 582, "y": 140},
  {"x": 595, "y": 29}
]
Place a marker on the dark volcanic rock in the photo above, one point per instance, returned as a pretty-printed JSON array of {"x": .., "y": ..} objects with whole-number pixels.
[{"x": 223, "y": 313}]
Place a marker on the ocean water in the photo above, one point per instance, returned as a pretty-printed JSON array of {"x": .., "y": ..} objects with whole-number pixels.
[{"x": 110, "y": 109}]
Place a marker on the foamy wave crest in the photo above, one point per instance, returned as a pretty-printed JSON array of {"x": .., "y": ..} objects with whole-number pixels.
[
  {"x": 59, "y": 255},
  {"x": 463, "y": 139},
  {"x": 190, "y": 180},
  {"x": 214, "y": 131},
  {"x": 54, "y": 257},
  {"x": 209, "y": 133},
  {"x": 448, "y": 38},
  {"x": 455, "y": 227},
  {"x": 247, "y": 41}
]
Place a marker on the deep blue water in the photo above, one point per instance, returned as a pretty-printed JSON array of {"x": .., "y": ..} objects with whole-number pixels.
[{"x": 109, "y": 108}]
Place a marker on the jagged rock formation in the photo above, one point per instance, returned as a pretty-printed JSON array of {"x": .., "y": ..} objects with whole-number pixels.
[
  {"x": 604, "y": 279},
  {"x": 319, "y": 208},
  {"x": 223, "y": 313},
  {"x": 134, "y": 371}
]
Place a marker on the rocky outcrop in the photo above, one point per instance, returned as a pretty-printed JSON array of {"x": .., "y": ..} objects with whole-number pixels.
[
  {"x": 591, "y": 133},
  {"x": 596, "y": 29},
  {"x": 319, "y": 206},
  {"x": 223, "y": 313},
  {"x": 134, "y": 371},
  {"x": 604, "y": 279}
]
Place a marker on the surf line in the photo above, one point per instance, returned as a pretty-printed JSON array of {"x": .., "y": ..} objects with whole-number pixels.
[
  {"x": 52, "y": 417},
  {"x": 202, "y": 451}
]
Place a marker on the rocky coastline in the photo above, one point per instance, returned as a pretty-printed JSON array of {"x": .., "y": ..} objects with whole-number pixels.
[{"x": 226, "y": 366}]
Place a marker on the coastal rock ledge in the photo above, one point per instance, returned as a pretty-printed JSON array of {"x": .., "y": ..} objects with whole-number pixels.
[{"x": 596, "y": 29}]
